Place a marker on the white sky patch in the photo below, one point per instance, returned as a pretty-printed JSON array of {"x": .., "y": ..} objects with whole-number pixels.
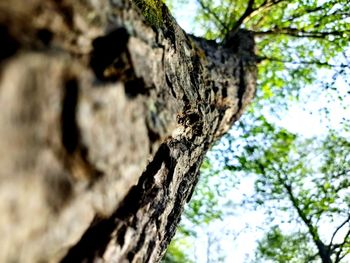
[
  {"x": 305, "y": 117},
  {"x": 184, "y": 14},
  {"x": 302, "y": 122}
]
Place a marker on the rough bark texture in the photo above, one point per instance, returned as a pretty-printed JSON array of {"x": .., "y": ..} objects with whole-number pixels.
[{"x": 107, "y": 109}]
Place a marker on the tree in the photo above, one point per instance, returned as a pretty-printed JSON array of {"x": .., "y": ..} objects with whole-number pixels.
[
  {"x": 108, "y": 108},
  {"x": 307, "y": 179}
]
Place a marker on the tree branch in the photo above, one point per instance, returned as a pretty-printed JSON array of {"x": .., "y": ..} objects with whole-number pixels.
[
  {"x": 338, "y": 228},
  {"x": 315, "y": 62},
  {"x": 251, "y": 11},
  {"x": 307, "y": 11},
  {"x": 310, "y": 10},
  {"x": 294, "y": 32},
  {"x": 341, "y": 246},
  {"x": 246, "y": 13},
  {"x": 210, "y": 12},
  {"x": 322, "y": 248}
]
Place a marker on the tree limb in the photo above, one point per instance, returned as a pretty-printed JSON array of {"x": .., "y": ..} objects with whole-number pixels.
[
  {"x": 341, "y": 246},
  {"x": 249, "y": 9},
  {"x": 214, "y": 15},
  {"x": 338, "y": 228},
  {"x": 322, "y": 248},
  {"x": 315, "y": 62},
  {"x": 294, "y": 32}
]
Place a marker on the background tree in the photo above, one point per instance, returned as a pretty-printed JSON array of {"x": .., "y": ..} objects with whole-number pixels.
[{"x": 308, "y": 179}]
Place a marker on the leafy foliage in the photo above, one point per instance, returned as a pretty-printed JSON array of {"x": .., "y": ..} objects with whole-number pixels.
[
  {"x": 203, "y": 206},
  {"x": 282, "y": 248},
  {"x": 176, "y": 251},
  {"x": 293, "y": 38},
  {"x": 303, "y": 182},
  {"x": 307, "y": 179}
]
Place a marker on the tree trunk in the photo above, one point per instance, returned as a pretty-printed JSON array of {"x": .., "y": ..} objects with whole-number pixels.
[{"x": 107, "y": 109}]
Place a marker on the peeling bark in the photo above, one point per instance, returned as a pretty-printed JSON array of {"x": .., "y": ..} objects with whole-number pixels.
[{"x": 104, "y": 122}]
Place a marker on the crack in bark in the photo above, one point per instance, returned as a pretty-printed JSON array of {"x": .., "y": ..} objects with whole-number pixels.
[
  {"x": 70, "y": 133},
  {"x": 93, "y": 243},
  {"x": 9, "y": 45},
  {"x": 110, "y": 59},
  {"x": 74, "y": 154},
  {"x": 242, "y": 86},
  {"x": 170, "y": 85},
  {"x": 95, "y": 240}
]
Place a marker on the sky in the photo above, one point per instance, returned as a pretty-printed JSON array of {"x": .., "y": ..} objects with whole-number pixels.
[{"x": 239, "y": 232}]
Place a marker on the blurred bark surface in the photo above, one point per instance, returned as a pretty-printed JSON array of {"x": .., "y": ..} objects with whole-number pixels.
[{"x": 106, "y": 113}]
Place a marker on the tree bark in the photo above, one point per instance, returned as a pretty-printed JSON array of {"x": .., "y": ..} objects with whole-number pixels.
[{"x": 107, "y": 109}]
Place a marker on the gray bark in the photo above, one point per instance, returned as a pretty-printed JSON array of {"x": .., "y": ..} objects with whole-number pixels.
[{"x": 106, "y": 114}]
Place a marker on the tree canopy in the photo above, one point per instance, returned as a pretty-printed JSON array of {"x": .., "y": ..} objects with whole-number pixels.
[{"x": 302, "y": 51}]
